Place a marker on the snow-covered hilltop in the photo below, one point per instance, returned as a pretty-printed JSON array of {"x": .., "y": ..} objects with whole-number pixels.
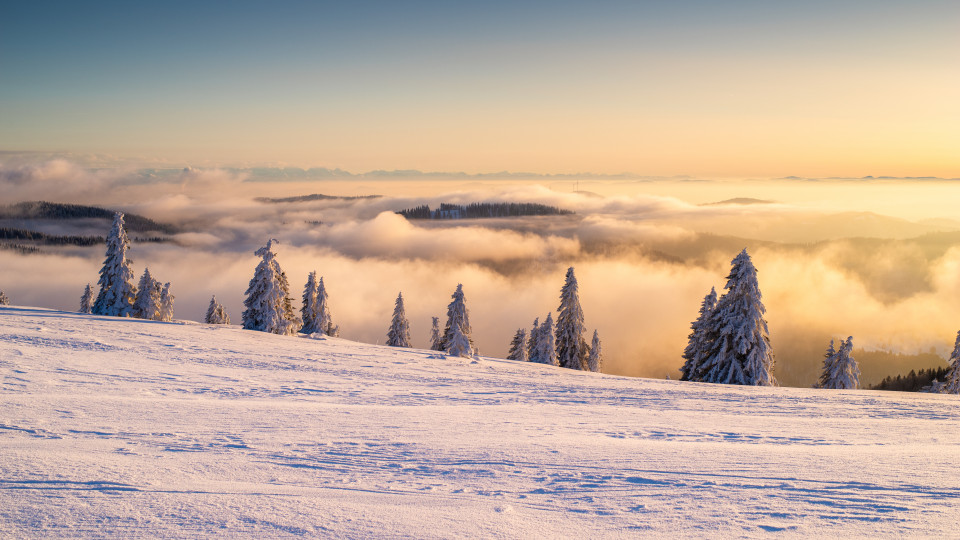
[{"x": 134, "y": 428}]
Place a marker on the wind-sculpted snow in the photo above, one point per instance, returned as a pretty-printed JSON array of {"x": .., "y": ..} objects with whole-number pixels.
[{"x": 141, "y": 429}]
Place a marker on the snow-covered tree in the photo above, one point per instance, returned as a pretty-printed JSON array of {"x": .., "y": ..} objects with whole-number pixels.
[
  {"x": 216, "y": 314},
  {"x": 436, "y": 340},
  {"x": 4, "y": 301},
  {"x": 146, "y": 304},
  {"x": 533, "y": 342},
  {"x": 116, "y": 277},
  {"x": 310, "y": 312},
  {"x": 399, "y": 333},
  {"x": 697, "y": 344},
  {"x": 518, "y": 347},
  {"x": 740, "y": 351},
  {"x": 457, "y": 340},
  {"x": 546, "y": 351},
  {"x": 324, "y": 318},
  {"x": 572, "y": 348},
  {"x": 952, "y": 382},
  {"x": 268, "y": 306},
  {"x": 166, "y": 303},
  {"x": 843, "y": 373},
  {"x": 829, "y": 359},
  {"x": 595, "y": 358},
  {"x": 86, "y": 301}
]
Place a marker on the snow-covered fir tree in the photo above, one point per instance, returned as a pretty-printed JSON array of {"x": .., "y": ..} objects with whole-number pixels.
[
  {"x": 324, "y": 317},
  {"x": 4, "y": 301},
  {"x": 697, "y": 344},
  {"x": 740, "y": 351},
  {"x": 436, "y": 339},
  {"x": 399, "y": 333},
  {"x": 518, "y": 347},
  {"x": 116, "y": 277},
  {"x": 952, "y": 382},
  {"x": 146, "y": 304},
  {"x": 546, "y": 350},
  {"x": 572, "y": 348},
  {"x": 268, "y": 306},
  {"x": 166, "y": 303},
  {"x": 829, "y": 358},
  {"x": 595, "y": 358},
  {"x": 216, "y": 314},
  {"x": 457, "y": 339},
  {"x": 844, "y": 372},
  {"x": 533, "y": 342},
  {"x": 86, "y": 301},
  {"x": 310, "y": 312}
]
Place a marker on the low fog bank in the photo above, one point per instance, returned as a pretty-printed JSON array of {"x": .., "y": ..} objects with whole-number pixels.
[{"x": 644, "y": 259}]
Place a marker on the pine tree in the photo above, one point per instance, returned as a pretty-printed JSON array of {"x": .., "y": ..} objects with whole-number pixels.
[
  {"x": 697, "y": 344},
  {"x": 216, "y": 314},
  {"x": 116, "y": 288},
  {"x": 4, "y": 301},
  {"x": 310, "y": 312},
  {"x": 457, "y": 340},
  {"x": 740, "y": 351},
  {"x": 952, "y": 380},
  {"x": 399, "y": 333},
  {"x": 518, "y": 347},
  {"x": 146, "y": 304},
  {"x": 843, "y": 373},
  {"x": 595, "y": 359},
  {"x": 166, "y": 303},
  {"x": 572, "y": 348},
  {"x": 268, "y": 306},
  {"x": 436, "y": 340},
  {"x": 546, "y": 351},
  {"x": 829, "y": 359},
  {"x": 86, "y": 301},
  {"x": 324, "y": 318},
  {"x": 533, "y": 343}
]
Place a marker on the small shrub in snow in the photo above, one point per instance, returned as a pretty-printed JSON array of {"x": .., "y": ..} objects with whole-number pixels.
[
  {"x": 86, "y": 301},
  {"x": 436, "y": 340},
  {"x": 840, "y": 369},
  {"x": 216, "y": 314}
]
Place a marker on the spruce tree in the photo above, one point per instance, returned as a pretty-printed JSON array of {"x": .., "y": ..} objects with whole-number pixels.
[
  {"x": 952, "y": 381},
  {"x": 697, "y": 341},
  {"x": 116, "y": 288},
  {"x": 310, "y": 312},
  {"x": 595, "y": 359},
  {"x": 572, "y": 348},
  {"x": 436, "y": 340},
  {"x": 457, "y": 338},
  {"x": 268, "y": 306},
  {"x": 146, "y": 304},
  {"x": 546, "y": 351},
  {"x": 533, "y": 343},
  {"x": 829, "y": 359},
  {"x": 216, "y": 314},
  {"x": 324, "y": 318},
  {"x": 4, "y": 301},
  {"x": 518, "y": 347},
  {"x": 166, "y": 303},
  {"x": 86, "y": 301},
  {"x": 843, "y": 373},
  {"x": 740, "y": 351},
  {"x": 399, "y": 333}
]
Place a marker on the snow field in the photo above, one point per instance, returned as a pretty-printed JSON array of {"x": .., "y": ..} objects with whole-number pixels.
[{"x": 132, "y": 428}]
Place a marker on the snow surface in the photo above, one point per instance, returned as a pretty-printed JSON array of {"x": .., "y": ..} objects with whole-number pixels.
[{"x": 130, "y": 428}]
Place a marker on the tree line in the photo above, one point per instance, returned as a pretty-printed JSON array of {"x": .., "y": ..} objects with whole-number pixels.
[{"x": 482, "y": 210}]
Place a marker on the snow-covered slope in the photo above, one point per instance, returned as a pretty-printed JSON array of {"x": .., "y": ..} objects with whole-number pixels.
[{"x": 144, "y": 429}]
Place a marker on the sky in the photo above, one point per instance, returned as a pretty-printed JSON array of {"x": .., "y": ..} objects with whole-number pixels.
[{"x": 719, "y": 89}]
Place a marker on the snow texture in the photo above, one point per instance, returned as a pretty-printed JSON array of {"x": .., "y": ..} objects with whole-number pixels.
[
  {"x": 740, "y": 351},
  {"x": 572, "y": 348},
  {"x": 123, "y": 428},
  {"x": 116, "y": 277},
  {"x": 457, "y": 340},
  {"x": 595, "y": 358},
  {"x": 698, "y": 344},
  {"x": 216, "y": 314},
  {"x": 268, "y": 305},
  {"x": 399, "y": 333},
  {"x": 518, "y": 347}
]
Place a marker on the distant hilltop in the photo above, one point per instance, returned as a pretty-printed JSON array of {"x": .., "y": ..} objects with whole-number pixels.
[{"x": 483, "y": 210}]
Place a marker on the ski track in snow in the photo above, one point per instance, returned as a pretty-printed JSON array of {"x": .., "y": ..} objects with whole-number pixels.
[{"x": 113, "y": 427}]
